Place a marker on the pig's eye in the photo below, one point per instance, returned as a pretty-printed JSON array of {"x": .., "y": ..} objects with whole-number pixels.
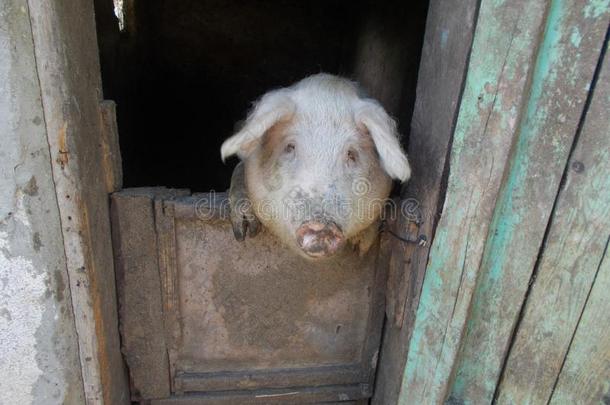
[
  {"x": 289, "y": 148},
  {"x": 352, "y": 156}
]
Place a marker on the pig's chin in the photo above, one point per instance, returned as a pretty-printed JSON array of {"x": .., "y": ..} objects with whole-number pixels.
[
  {"x": 317, "y": 240},
  {"x": 320, "y": 252}
]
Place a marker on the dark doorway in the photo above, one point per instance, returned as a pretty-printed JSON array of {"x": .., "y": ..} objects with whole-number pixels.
[{"x": 183, "y": 73}]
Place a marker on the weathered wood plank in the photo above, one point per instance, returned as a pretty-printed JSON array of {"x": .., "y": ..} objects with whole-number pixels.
[
  {"x": 442, "y": 72},
  {"x": 331, "y": 394},
  {"x": 166, "y": 253},
  {"x": 269, "y": 379},
  {"x": 585, "y": 376},
  {"x": 500, "y": 63},
  {"x": 64, "y": 40},
  {"x": 109, "y": 142},
  {"x": 568, "y": 54},
  {"x": 139, "y": 292},
  {"x": 576, "y": 243},
  {"x": 371, "y": 348}
]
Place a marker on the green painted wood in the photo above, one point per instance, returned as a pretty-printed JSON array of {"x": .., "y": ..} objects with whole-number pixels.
[
  {"x": 502, "y": 56},
  {"x": 442, "y": 73},
  {"x": 490, "y": 231},
  {"x": 568, "y": 54},
  {"x": 575, "y": 246},
  {"x": 585, "y": 377}
]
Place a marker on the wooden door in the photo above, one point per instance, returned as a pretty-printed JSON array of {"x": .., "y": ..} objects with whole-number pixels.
[
  {"x": 206, "y": 319},
  {"x": 513, "y": 305}
]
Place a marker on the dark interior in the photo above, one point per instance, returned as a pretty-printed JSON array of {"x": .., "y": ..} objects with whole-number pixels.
[{"x": 184, "y": 72}]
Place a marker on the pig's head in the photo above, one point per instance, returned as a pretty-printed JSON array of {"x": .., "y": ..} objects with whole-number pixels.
[{"x": 319, "y": 161}]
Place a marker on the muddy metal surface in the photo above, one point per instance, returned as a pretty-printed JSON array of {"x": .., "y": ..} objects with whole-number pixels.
[{"x": 230, "y": 316}]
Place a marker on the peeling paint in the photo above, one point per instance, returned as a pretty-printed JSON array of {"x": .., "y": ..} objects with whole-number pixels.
[
  {"x": 31, "y": 188},
  {"x": 575, "y": 38},
  {"x": 596, "y": 8},
  {"x": 38, "y": 343}
]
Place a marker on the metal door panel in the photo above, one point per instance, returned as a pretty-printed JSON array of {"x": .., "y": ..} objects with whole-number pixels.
[{"x": 245, "y": 315}]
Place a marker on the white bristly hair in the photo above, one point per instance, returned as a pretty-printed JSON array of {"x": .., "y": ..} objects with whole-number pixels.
[{"x": 324, "y": 104}]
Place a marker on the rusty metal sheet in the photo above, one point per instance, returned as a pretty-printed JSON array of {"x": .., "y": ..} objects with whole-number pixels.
[{"x": 254, "y": 316}]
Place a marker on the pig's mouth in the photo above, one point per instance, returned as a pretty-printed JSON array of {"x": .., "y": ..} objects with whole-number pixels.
[{"x": 319, "y": 239}]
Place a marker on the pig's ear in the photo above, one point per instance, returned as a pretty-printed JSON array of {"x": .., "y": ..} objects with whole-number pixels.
[
  {"x": 372, "y": 118},
  {"x": 272, "y": 108}
]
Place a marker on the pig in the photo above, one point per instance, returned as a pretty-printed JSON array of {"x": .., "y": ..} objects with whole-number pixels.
[{"x": 317, "y": 161}]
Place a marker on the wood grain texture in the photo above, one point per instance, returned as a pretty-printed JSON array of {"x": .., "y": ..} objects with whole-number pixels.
[
  {"x": 109, "y": 143},
  {"x": 559, "y": 87},
  {"x": 347, "y": 395},
  {"x": 576, "y": 243},
  {"x": 139, "y": 292},
  {"x": 64, "y": 40},
  {"x": 166, "y": 253},
  {"x": 442, "y": 72},
  {"x": 585, "y": 376},
  {"x": 501, "y": 59}
]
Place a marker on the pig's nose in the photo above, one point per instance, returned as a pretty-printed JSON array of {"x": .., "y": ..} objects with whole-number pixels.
[{"x": 319, "y": 239}]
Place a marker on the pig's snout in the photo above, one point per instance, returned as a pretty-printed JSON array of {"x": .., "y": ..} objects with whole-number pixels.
[{"x": 319, "y": 239}]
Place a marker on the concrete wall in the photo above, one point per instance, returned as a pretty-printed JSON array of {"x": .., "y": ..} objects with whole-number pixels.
[
  {"x": 59, "y": 341},
  {"x": 38, "y": 341}
]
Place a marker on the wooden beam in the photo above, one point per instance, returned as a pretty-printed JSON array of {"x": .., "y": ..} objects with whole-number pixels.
[
  {"x": 442, "y": 72},
  {"x": 65, "y": 46},
  {"x": 139, "y": 289}
]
